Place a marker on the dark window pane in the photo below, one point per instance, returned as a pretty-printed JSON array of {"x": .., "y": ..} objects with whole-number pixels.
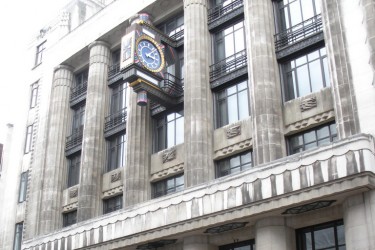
[
  {"x": 113, "y": 204},
  {"x": 69, "y": 218},
  {"x": 167, "y": 186},
  {"x": 233, "y": 164}
]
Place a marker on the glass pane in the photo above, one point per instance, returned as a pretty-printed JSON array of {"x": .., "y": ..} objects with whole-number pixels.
[
  {"x": 234, "y": 161},
  {"x": 170, "y": 117},
  {"x": 246, "y": 158},
  {"x": 232, "y": 90},
  {"x": 341, "y": 235},
  {"x": 324, "y": 238},
  {"x": 229, "y": 45},
  {"x": 232, "y": 109},
  {"x": 316, "y": 76},
  {"x": 301, "y": 60},
  {"x": 326, "y": 72},
  {"x": 242, "y": 85},
  {"x": 243, "y": 105},
  {"x": 322, "y": 133},
  {"x": 170, "y": 134},
  {"x": 313, "y": 55},
  {"x": 303, "y": 81},
  {"x": 239, "y": 40},
  {"x": 222, "y": 114},
  {"x": 180, "y": 180},
  {"x": 220, "y": 50},
  {"x": 296, "y": 141},
  {"x": 307, "y": 9},
  {"x": 295, "y": 13},
  {"x": 180, "y": 130}
]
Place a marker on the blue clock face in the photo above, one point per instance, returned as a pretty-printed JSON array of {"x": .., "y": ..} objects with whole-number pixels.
[{"x": 149, "y": 55}]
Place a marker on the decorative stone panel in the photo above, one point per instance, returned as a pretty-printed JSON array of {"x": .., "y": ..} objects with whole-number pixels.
[
  {"x": 233, "y": 131},
  {"x": 73, "y": 192},
  {"x": 116, "y": 177},
  {"x": 233, "y": 149},
  {"x": 113, "y": 192},
  {"x": 312, "y": 121},
  {"x": 169, "y": 154},
  {"x": 70, "y": 207},
  {"x": 308, "y": 103},
  {"x": 167, "y": 172}
]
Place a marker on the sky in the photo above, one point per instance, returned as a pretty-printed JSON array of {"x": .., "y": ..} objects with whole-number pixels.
[{"x": 20, "y": 22}]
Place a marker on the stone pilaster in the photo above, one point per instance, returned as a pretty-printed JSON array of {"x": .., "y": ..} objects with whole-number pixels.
[
  {"x": 198, "y": 242},
  {"x": 197, "y": 95},
  {"x": 368, "y": 7},
  {"x": 55, "y": 163},
  {"x": 346, "y": 111},
  {"x": 359, "y": 211},
  {"x": 266, "y": 102},
  {"x": 93, "y": 145},
  {"x": 272, "y": 233},
  {"x": 138, "y": 153}
]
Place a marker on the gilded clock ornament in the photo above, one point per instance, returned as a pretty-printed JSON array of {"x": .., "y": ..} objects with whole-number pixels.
[{"x": 150, "y": 54}]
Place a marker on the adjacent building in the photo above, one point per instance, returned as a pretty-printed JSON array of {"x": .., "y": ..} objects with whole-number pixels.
[{"x": 196, "y": 125}]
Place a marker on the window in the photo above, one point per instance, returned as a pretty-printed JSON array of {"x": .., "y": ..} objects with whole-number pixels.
[
  {"x": 324, "y": 236},
  {"x": 312, "y": 138},
  {"x": 118, "y": 98},
  {"x": 169, "y": 131},
  {"x": 81, "y": 78},
  {"x": 29, "y": 138},
  {"x": 244, "y": 245},
  {"x": 78, "y": 119},
  {"x": 23, "y": 187},
  {"x": 305, "y": 74},
  {"x": 232, "y": 104},
  {"x": 113, "y": 204},
  {"x": 168, "y": 186},
  {"x": 230, "y": 43},
  {"x": 69, "y": 218},
  {"x": 116, "y": 152},
  {"x": 74, "y": 163},
  {"x": 174, "y": 27},
  {"x": 39, "y": 53},
  {"x": 234, "y": 164},
  {"x": 293, "y": 12},
  {"x": 34, "y": 95},
  {"x": 115, "y": 58},
  {"x": 18, "y": 236}
]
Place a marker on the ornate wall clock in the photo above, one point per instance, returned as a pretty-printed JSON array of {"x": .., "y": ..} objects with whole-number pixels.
[{"x": 150, "y": 54}]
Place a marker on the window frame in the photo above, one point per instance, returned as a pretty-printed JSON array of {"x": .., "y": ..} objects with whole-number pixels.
[
  {"x": 222, "y": 120},
  {"x": 163, "y": 184},
  {"x": 74, "y": 167},
  {"x": 332, "y": 138},
  {"x": 34, "y": 95},
  {"x": 160, "y": 135},
  {"x": 78, "y": 119},
  {"x": 225, "y": 162},
  {"x": 39, "y": 53},
  {"x": 311, "y": 229},
  {"x": 18, "y": 232},
  {"x": 113, "y": 204},
  {"x": 115, "y": 142},
  {"x": 118, "y": 98},
  {"x": 69, "y": 218},
  {"x": 23, "y": 186},
  {"x": 29, "y": 139},
  {"x": 293, "y": 92}
]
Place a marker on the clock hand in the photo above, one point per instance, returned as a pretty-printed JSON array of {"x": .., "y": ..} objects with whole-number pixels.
[{"x": 152, "y": 51}]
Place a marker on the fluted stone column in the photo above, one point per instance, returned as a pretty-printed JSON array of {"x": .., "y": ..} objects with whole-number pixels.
[
  {"x": 197, "y": 95},
  {"x": 369, "y": 21},
  {"x": 359, "y": 214},
  {"x": 51, "y": 208},
  {"x": 137, "y": 168},
  {"x": 272, "y": 234},
  {"x": 266, "y": 102},
  {"x": 93, "y": 146},
  {"x": 346, "y": 111},
  {"x": 198, "y": 242}
]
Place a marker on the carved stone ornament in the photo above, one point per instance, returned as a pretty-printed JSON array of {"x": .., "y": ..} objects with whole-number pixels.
[
  {"x": 73, "y": 193},
  {"x": 116, "y": 177},
  {"x": 169, "y": 155},
  {"x": 308, "y": 103},
  {"x": 233, "y": 131}
]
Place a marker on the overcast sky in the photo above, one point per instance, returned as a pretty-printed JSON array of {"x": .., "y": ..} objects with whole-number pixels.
[{"x": 20, "y": 22}]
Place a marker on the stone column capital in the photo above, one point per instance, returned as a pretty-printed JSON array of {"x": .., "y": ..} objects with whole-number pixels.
[
  {"x": 97, "y": 43},
  {"x": 192, "y": 2},
  {"x": 63, "y": 66}
]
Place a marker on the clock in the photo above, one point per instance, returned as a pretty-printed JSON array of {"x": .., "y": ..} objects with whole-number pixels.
[{"x": 150, "y": 54}]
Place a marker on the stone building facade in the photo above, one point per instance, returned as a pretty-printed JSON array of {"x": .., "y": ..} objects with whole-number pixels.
[{"x": 236, "y": 124}]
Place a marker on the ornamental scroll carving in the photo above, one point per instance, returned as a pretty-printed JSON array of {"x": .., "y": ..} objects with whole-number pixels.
[
  {"x": 233, "y": 131},
  {"x": 308, "y": 103},
  {"x": 116, "y": 177},
  {"x": 73, "y": 193},
  {"x": 169, "y": 155}
]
